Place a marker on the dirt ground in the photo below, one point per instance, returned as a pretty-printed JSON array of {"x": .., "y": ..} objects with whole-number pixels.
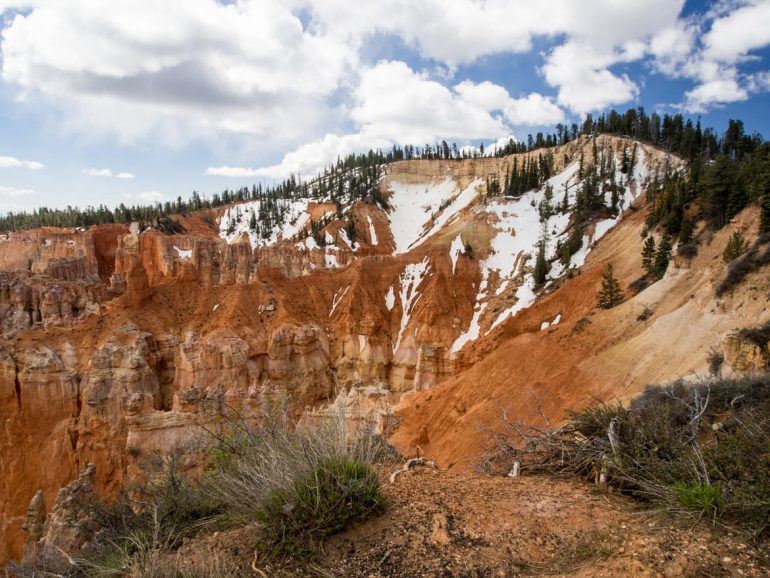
[{"x": 446, "y": 524}]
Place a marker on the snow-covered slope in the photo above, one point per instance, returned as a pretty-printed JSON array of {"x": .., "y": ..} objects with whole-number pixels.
[
  {"x": 418, "y": 211},
  {"x": 236, "y": 222},
  {"x": 518, "y": 231}
]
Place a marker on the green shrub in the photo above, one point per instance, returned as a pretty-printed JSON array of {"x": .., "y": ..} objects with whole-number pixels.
[
  {"x": 701, "y": 497},
  {"x": 339, "y": 492},
  {"x": 736, "y": 246}
]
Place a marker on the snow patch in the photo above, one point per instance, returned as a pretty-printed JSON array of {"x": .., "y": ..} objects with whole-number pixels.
[
  {"x": 545, "y": 324},
  {"x": 337, "y": 298},
  {"x": 343, "y": 234},
  {"x": 183, "y": 253},
  {"x": 455, "y": 250},
  {"x": 330, "y": 259},
  {"x": 308, "y": 243},
  {"x": 518, "y": 230},
  {"x": 390, "y": 299},
  {"x": 372, "y": 232},
  {"x": 410, "y": 281}
]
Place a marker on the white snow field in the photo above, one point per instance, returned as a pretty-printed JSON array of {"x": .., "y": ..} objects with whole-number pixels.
[{"x": 418, "y": 211}]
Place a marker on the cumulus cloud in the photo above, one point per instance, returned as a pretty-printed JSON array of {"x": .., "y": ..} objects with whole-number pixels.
[
  {"x": 710, "y": 50},
  {"x": 15, "y": 192},
  {"x": 247, "y": 67},
  {"x": 151, "y": 196},
  {"x": 732, "y": 37},
  {"x": 236, "y": 172},
  {"x": 273, "y": 68},
  {"x": 395, "y": 104},
  {"x": 714, "y": 91},
  {"x": 108, "y": 173},
  {"x": 583, "y": 78},
  {"x": 13, "y": 162},
  {"x": 97, "y": 172},
  {"x": 598, "y": 34},
  {"x": 281, "y": 73},
  {"x": 531, "y": 110}
]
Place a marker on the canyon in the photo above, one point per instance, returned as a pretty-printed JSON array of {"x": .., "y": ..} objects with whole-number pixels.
[{"x": 120, "y": 347}]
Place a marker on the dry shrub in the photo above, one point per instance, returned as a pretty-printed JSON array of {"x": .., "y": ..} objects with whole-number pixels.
[
  {"x": 701, "y": 446},
  {"x": 294, "y": 484}
]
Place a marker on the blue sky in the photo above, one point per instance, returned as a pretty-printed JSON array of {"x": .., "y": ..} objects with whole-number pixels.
[{"x": 141, "y": 101}]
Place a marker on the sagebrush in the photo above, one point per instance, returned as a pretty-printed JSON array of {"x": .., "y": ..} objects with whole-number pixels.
[{"x": 699, "y": 447}]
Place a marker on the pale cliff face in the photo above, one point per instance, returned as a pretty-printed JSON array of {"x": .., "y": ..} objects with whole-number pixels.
[{"x": 118, "y": 345}]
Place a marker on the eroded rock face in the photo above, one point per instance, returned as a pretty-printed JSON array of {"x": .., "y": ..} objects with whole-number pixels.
[
  {"x": 63, "y": 254},
  {"x": 744, "y": 354},
  {"x": 72, "y": 522},
  {"x": 299, "y": 363},
  {"x": 121, "y": 381},
  {"x": 34, "y": 520},
  {"x": 151, "y": 258},
  {"x": 214, "y": 372},
  {"x": 29, "y": 302}
]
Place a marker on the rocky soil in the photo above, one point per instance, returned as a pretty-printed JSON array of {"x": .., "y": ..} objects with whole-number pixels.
[{"x": 446, "y": 524}]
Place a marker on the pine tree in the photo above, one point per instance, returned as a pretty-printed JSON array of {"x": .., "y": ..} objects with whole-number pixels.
[
  {"x": 610, "y": 293},
  {"x": 686, "y": 230},
  {"x": 736, "y": 246},
  {"x": 541, "y": 264},
  {"x": 662, "y": 256},
  {"x": 648, "y": 254}
]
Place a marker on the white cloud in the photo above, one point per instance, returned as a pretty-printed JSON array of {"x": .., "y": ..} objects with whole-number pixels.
[
  {"x": 285, "y": 72},
  {"x": 671, "y": 47},
  {"x": 152, "y": 196},
  {"x": 236, "y": 172},
  {"x": 97, "y": 172},
  {"x": 15, "y": 192},
  {"x": 461, "y": 31},
  {"x": 583, "y": 78},
  {"x": 532, "y": 110},
  {"x": 709, "y": 50},
  {"x": 13, "y": 162},
  {"x": 273, "y": 68},
  {"x": 192, "y": 67},
  {"x": 108, "y": 173},
  {"x": 715, "y": 91},
  {"x": 744, "y": 29},
  {"x": 394, "y": 104}
]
